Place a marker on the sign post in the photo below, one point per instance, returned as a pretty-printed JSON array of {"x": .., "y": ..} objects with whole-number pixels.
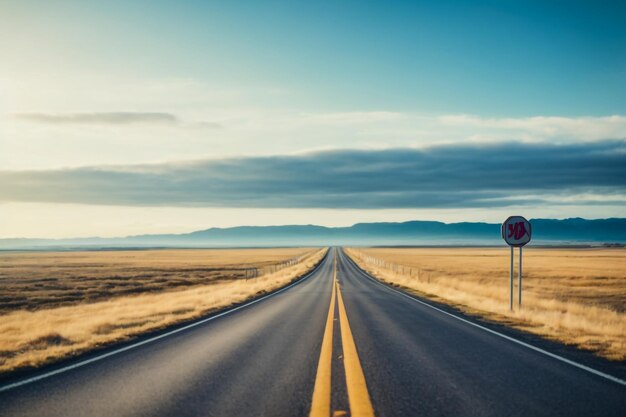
[
  {"x": 511, "y": 280},
  {"x": 519, "y": 297},
  {"x": 516, "y": 232}
]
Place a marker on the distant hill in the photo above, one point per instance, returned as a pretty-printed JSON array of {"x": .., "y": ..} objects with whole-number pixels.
[{"x": 545, "y": 231}]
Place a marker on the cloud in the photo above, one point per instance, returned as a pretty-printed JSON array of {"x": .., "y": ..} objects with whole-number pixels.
[
  {"x": 587, "y": 128},
  {"x": 107, "y": 118},
  {"x": 353, "y": 118},
  {"x": 437, "y": 177}
]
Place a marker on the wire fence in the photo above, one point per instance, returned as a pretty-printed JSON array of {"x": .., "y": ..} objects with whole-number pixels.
[
  {"x": 399, "y": 269},
  {"x": 256, "y": 272}
]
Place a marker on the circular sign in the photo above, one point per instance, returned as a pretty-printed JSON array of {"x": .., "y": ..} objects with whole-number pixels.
[{"x": 516, "y": 231}]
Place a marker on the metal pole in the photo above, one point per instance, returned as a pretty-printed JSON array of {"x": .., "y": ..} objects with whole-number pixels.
[
  {"x": 520, "y": 278},
  {"x": 511, "y": 297}
]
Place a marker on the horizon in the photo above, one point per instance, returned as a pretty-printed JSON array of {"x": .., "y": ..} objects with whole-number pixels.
[
  {"x": 208, "y": 229},
  {"x": 142, "y": 118}
]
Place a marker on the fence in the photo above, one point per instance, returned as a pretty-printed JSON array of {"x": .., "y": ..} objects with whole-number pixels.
[
  {"x": 256, "y": 272},
  {"x": 413, "y": 272}
]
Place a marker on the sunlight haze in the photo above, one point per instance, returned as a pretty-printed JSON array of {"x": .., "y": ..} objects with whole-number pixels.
[{"x": 155, "y": 118}]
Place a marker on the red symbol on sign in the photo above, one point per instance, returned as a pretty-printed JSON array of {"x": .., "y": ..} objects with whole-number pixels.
[{"x": 517, "y": 230}]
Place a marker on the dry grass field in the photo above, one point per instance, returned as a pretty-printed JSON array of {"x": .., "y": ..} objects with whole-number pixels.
[
  {"x": 577, "y": 296},
  {"x": 35, "y": 280},
  {"x": 55, "y": 305}
]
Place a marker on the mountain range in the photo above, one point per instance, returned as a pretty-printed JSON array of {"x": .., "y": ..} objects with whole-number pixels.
[{"x": 574, "y": 231}]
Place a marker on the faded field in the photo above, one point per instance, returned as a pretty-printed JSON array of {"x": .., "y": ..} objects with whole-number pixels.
[
  {"x": 35, "y": 280},
  {"x": 55, "y": 305},
  {"x": 577, "y": 296}
]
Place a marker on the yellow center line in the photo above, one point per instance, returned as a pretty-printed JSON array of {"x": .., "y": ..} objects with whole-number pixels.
[
  {"x": 320, "y": 406},
  {"x": 358, "y": 396}
]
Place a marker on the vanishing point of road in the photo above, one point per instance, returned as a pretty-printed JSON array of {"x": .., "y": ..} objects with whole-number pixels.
[{"x": 336, "y": 343}]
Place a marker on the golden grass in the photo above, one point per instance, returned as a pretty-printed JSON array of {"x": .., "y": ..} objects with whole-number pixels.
[
  {"x": 38, "y": 280},
  {"x": 576, "y": 296},
  {"x": 32, "y": 338}
]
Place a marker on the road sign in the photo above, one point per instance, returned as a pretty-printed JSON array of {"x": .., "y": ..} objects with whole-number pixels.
[{"x": 516, "y": 231}]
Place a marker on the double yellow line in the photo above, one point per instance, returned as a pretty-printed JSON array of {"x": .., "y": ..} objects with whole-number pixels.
[{"x": 358, "y": 396}]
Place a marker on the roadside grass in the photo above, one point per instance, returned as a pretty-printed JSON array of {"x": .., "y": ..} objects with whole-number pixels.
[
  {"x": 31, "y": 338},
  {"x": 576, "y": 296},
  {"x": 36, "y": 280}
]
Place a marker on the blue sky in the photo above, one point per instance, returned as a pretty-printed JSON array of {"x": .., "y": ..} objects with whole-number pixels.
[
  {"x": 116, "y": 87},
  {"x": 492, "y": 58}
]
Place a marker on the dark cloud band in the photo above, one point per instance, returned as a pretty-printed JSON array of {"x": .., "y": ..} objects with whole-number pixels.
[{"x": 445, "y": 176}]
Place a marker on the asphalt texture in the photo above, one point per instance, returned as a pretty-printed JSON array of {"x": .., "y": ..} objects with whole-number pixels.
[{"x": 261, "y": 360}]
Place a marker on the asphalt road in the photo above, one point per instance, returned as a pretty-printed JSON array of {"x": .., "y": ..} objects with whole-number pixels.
[{"x": 267, "y": 359}]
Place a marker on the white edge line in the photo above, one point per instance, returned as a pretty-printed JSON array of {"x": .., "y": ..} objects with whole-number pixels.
[
  {"x": 509, "y": 338},
  {"x": 155, "y": 338}
]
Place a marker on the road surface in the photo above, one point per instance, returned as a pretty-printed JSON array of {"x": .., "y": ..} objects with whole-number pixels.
[{"x": 336, "y": 343}]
